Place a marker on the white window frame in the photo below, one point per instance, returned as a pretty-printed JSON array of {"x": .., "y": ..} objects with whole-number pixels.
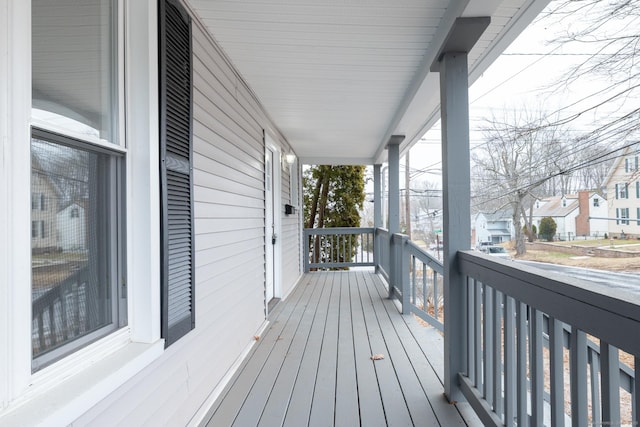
[
  {"x": 111, "y": 361},
  {"x": 622, "y": 190}
]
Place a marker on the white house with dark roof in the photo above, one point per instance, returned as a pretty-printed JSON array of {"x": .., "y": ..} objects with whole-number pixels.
[{"x": 576, "y": 215}]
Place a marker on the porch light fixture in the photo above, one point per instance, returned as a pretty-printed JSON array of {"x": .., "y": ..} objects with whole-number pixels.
[{"x": 288, "y": 160}]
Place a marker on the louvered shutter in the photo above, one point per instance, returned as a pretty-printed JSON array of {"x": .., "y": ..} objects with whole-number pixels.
[
  {"x": 178, "y": 311},
  {"x": 617, "y": 216}
]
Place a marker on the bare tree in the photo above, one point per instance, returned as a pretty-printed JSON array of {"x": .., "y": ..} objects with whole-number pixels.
[
  {"x": 605, "y": 34},
  {"x": 520, "y": 154}
]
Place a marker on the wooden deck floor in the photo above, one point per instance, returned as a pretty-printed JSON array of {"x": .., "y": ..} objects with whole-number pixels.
[{"x": 313, "y": 366}]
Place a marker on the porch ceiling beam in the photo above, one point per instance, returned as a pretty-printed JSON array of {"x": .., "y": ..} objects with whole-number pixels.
[{"x": 463, "y": 35}]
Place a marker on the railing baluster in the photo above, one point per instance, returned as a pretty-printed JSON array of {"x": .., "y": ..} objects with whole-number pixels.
[
  {"x": 509, "y": 378},
  {"x": 536, "y": 354},
  {"x": 425, "y": 307},
  {"x": 521, "y": 347},
  {"x": 413, "y": 280},
  {"x": 578, "y": 375},
  {"x": 435, "y": 294},
  {"x": 635, "y": 393},
  {"x": 610, "y": 383},
  {"x": 596, "y": 418},
  {"x": 498, "y": 406},
  {"x": 477, "y": 332},
  {"x": 556, "y": 355},
  {"x": 488, "y": 330},
  {"x": 52, "y": 323},
  {"x": 471, "y": 335}
]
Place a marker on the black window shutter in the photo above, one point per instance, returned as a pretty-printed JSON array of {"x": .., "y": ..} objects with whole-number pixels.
[{"x": 177, "y": 237}]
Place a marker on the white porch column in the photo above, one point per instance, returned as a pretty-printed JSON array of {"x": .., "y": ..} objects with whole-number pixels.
[
  {"x": 394, "y": 201},
  {"x": 454, "y": 107}
]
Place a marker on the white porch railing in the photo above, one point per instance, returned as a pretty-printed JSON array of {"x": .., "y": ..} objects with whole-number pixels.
[{"x": 539, "y": 349}]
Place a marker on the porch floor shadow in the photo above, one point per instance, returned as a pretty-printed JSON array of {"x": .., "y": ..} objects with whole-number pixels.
[{"x": 313, "y": 365}]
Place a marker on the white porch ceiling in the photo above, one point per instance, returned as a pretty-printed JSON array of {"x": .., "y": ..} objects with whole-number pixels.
[{"x": 339, "y": 77}]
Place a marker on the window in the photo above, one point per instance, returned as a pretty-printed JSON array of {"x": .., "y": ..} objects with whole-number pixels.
[
  {"x": 77, "y": 273},
  {"x": 596, "y": 202},
  {"x": 631, "y": 164},
  {"x": 74, "y": 213},
  {"x": 622, "y": 191},
  {"x": 622, "y": 216}
]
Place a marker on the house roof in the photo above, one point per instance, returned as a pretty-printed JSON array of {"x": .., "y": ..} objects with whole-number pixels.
[
  {"x": 495, "y": 216},
  {"x": 617, "y": 162},
  {"x": 553, "y": 206},
  {"x": 338, "y": 78}
]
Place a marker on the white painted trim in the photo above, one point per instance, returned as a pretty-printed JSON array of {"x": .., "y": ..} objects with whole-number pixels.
[
  {"x": 143, "y": 196},
  {"x": 277, "y": 212},
  {"x": 44, "y": 125},
  {"x": 15, "y": 174},
  {"x": 204, "y": 409},
  {"x": 66, "y": 401},
  {"x": 63, "y": 391}
]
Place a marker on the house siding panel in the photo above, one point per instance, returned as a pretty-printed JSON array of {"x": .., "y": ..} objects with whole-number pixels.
[
  {"x": 619, "y": 177},
  {"x": 230, "y": 252}
]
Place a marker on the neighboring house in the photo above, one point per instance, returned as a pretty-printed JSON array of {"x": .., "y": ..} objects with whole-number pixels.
[
  {"x": 180, "y": 123},
  {"x": 576, "y": 215},
  {"x": 72, "y": 227},
  {"x": 44, "y": 206},
  {"x": 623, "y": 193},
  {"x": 494, "y": 227}
]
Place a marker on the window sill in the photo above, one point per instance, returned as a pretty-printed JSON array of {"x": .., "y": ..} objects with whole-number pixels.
[{"x": 63, "y": 403}]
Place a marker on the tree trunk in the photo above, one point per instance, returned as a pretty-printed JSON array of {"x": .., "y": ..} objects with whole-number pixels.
[
  {"x": 521, "y": 249},
  {"x": 322, "y": 204},
  {"x": 314, "y": 204}
]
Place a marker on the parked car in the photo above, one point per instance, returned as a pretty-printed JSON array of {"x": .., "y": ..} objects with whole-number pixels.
[{"x": 497, "y": 251}]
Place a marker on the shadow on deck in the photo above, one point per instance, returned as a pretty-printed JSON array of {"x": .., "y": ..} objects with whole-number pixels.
[{"x": 313, "y": 365}]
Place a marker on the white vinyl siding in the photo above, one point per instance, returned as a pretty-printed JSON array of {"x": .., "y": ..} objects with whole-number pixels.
[{"x": 230, "y": 250}]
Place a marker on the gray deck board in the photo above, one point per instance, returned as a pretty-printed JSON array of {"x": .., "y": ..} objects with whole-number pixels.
[
  {"x": 313, "y": 365},
  {"x": 346, "y": 412}
]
